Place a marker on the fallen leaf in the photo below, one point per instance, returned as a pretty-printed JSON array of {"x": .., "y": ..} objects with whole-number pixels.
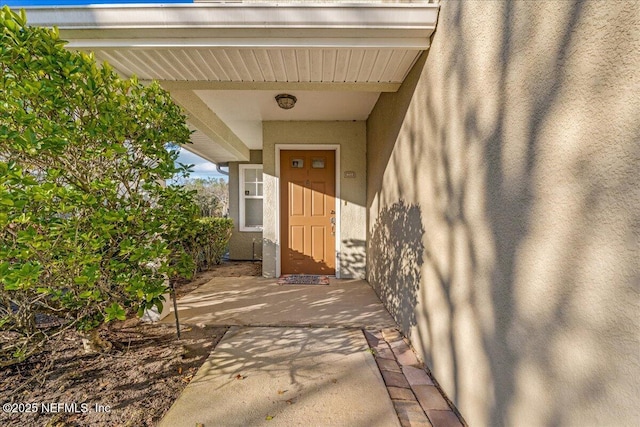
[
  {"x": 179, "y": 369},
  {"x": 199, "y": 425},
  {"x": 269, "y": 418},
  {"x": 282, "y": 391},
  {"x": 240, "y": 377},
  {"x": 289, "y": 401}
]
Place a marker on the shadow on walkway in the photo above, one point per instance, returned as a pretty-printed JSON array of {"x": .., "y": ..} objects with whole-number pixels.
[{"x": 256, "y": 301}]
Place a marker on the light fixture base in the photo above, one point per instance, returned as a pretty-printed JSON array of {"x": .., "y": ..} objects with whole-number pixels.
[{"x": 286, "y": 101}]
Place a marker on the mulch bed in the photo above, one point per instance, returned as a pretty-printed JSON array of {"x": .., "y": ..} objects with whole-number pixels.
[{"x": 138, "y": 380}]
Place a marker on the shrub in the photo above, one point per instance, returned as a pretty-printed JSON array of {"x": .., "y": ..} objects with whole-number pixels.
[
  {"x": 213, "y": 239},
  {"x": 87, "y": 231},
  {"x": 205, "y": 241}
]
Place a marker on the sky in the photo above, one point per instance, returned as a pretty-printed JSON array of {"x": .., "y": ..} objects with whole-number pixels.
[
  {"x": 202, "y": 169},
  {"x": 19, "y": 3}
]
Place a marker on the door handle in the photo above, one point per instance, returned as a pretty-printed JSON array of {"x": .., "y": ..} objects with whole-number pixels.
[{"x": 333, "y": 220}]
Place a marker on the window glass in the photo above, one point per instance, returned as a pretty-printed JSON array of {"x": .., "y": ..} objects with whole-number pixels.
[
  {"x": 249, "y": 175},
  {"x": 253, "y": 213},
  {"x": 251, "y": 197}
]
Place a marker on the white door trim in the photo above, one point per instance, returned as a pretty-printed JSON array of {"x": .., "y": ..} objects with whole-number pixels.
[{"x": 307, "y": 147}]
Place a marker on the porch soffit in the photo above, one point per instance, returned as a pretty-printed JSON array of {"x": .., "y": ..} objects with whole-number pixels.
[{"x": 364, "y": 47}]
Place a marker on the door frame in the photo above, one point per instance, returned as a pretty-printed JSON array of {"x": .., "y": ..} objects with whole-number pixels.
[{"x": 307, "y": 147}]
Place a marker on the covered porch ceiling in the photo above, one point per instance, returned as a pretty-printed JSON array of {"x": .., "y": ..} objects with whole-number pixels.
[{"x": 225, "y": 62}]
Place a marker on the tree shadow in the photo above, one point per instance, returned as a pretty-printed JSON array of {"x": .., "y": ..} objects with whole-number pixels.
[
  {"x": 529, "y": 283},
  {"x": 353, "y": 259},
  {"x": 260, "y": 371},
  {"x": 397, "y": 248}
]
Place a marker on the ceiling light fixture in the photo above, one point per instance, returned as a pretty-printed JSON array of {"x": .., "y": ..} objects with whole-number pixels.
[{"x": 286, "y": 101}]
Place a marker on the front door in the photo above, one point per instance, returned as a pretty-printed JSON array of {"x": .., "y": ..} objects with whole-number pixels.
[{"x": 308, "y": 211}]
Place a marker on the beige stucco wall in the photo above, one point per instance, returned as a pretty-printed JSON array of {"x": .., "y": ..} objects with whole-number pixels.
[
  {"x": 243, "y": 245},
  {"x": 351, "y": 138},
  {"x": 504, "y": 210}
]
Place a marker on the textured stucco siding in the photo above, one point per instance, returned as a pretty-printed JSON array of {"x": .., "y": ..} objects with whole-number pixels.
[
  {"x": 243, "y": 245},
  {"x": 351, "y": 137},
  {"x": 503, "y": 207}
]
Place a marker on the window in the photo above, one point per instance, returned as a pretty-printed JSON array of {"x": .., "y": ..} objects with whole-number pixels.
[
  {"x": 251, "y": 194},
  {"x": 317, "y": 163}
]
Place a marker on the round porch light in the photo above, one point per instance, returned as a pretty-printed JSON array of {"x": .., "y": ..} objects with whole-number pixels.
[{"x": 286, "y": 101}]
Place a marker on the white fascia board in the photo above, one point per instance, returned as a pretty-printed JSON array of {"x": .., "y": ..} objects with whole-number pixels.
[
  {"x": 417, "y": 43},
  {"x": 241, "y": 15},
  {"x": 172, "y": 85},
  {"x": 286, "y": 25}
]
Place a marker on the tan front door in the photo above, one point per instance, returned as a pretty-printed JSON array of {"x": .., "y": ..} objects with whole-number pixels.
[{"x": 308, "y": 206}]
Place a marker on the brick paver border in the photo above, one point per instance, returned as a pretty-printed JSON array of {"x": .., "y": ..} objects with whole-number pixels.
[{"x": 416, "y": 396}]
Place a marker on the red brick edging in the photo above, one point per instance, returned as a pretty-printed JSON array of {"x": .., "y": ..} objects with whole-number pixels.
[{"x": 415, "y": 396}]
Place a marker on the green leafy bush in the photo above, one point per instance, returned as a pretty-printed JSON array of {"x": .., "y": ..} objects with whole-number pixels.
[
  {"x": 206, "y": 241},
  {"x": 213, "y": 240},
  {"x": 88, "y": 231}
]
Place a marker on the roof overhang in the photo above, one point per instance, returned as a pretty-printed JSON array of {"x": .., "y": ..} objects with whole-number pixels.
[
  {"x": 269, "y": 46},
  {"x": 280, "y": 25}
]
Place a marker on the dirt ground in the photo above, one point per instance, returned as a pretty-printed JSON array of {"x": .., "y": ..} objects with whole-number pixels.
[
  {"x": 226, "y": 269},
  {"x": 132, "y": 385}
]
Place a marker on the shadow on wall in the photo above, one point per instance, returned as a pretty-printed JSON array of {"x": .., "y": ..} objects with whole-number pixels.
[
  {"x": 397, "y": 252},
  {"x": 543, "y": 271},
  {"x": 528, "y": 297},
  {"x": 269, "y": 252},
  {"x": 353, "y": 259}
]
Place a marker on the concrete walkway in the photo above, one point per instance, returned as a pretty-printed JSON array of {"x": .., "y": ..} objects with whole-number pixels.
[
  {"x": 256, "y": 301},
  {"x": 260, "y": 376},
  {"x": 303, "y": 355}
]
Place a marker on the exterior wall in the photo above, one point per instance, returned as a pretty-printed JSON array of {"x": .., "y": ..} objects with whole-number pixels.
[
  {"x": 243, "y": 245},
  {"x": 352, "y": 140},
  {"x": 503, "y": 210}
]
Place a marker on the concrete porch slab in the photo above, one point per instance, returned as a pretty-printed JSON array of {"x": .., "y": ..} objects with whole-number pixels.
[
  {"x": 257, "y": 301},
  {"x": 259, "y": 376}
]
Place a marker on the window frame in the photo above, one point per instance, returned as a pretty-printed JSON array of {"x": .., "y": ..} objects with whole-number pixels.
[{"x": 241, "y": 189}]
